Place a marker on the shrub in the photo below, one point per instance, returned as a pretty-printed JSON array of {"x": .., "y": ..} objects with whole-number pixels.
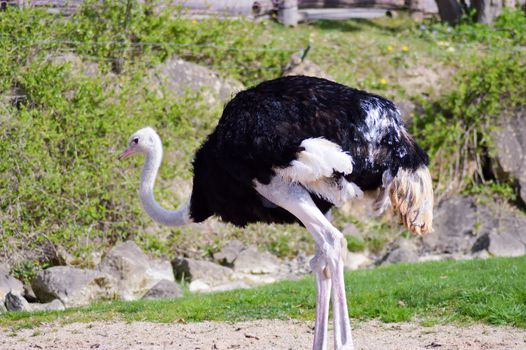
[{"x": 456, "y": 129}]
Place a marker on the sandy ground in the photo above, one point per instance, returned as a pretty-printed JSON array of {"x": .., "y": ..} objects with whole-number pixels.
[{"x": 265, "y": 334}]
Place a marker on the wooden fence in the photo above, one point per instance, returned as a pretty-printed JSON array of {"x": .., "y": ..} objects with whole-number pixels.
[{"x": 288, "y": 12}]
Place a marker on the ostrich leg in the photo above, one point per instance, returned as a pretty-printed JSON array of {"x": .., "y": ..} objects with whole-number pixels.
[
  {"x": 342, "y": 325},
  {"x": 323, "y": 295},
  {"x": 294, "y": 198}
]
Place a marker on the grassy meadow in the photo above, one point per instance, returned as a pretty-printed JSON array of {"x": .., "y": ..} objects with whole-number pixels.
[{"x": 489, "y": 291}]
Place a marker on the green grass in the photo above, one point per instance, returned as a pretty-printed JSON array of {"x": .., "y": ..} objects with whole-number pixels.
[{"x": 490, "y": 291}]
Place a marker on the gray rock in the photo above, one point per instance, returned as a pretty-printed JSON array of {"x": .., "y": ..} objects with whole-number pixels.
[
  {"x": 175, "y": 77},
  {"x": 458, "y": 222},
  {"x": 64, "y": 257},
  {"x": 29, "y": 294},
  {"x": 253, "y": 261},
  {"x": 164, "y": 289},
  {"x": 134, "y": 272},
  {"x": 4, "y": 267},
  {"x": 515, "y": 225},
  {"x": 160, "y": 270},
  {"x": 354, "y": 261},
  {"x": 504, "y": 244},
  {"x": 510, "y": 144},
  {"x": 54, "y": 305},
  {"x": 298, "y": 266},
  {"x": 16, "y": 302},
  {"x": 403, "y": 251},
  {"x": 74, "y": 287},
  {"x": 205, "y": 271},
  {"x": 229, "y": 253},
  {"x": 76, "y": 63},
  {"x": 198, "y": 286},
  {"x": 8, "y": 283},
  {"x": 295, "y": 66},
  {"x": 463, "y": 227}
]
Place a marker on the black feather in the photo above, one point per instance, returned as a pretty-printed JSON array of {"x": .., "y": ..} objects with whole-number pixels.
[{"x": 262, "y": 128}]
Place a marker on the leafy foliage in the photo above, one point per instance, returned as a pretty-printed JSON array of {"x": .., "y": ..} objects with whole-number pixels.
[
  {"x": 457, "y": 128},
  {"x": 509, "y": 29}
]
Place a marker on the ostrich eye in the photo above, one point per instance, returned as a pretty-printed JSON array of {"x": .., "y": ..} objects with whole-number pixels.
[{"x": 135, "y": 140}]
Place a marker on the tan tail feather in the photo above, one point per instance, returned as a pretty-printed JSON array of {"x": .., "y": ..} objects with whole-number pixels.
[{"x": 411, "y": 196}]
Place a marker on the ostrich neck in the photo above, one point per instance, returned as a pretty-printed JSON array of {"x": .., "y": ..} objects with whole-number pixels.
[{"x": 157, "y": 213}]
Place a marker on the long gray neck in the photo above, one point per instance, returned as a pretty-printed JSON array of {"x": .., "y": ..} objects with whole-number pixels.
[{"x": 163, "y": 216}]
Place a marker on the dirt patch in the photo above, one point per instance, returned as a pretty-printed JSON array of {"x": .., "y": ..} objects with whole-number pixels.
[{"x": 263, "y": 334}]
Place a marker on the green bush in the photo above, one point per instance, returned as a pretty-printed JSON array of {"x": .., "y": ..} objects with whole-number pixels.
[
  {"x": 456, "y": 129},
  {"x": 60, "y": 181},
  {"x": 355, "y": 244},
  {"x": 508, "y": 30}
]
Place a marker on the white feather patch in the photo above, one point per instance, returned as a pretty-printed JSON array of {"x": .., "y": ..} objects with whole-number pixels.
[
  {"x": 314, "y": 169},
  {"x": 320, "y": 159}
]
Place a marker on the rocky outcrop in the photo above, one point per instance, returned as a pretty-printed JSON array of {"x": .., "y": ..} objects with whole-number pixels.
[
  {"x": 252, "y": 261},
  {"x": 164, "y": 289},
  {"x": 134, "y": 272},
  {"x": 205, "y": 271},
  {"x": 16, "y": 302},
  {"x": 404, "y": 250},
  {"x": 247, "y": 267},
  {"x": 458, "y": 222},
  {"x": 355, "y": 261},
  {"x": 74, "y": 287},
  {"x": 229, "y": 253},
  {"x": 54, "y": 305},
  {"x": 176, "y": 77},
  {"x": 8, "y": 283},
  {"x": 465, "y": 229},
  {"x": 247, "y": 259},
  {"x": 510, "y": 144}
]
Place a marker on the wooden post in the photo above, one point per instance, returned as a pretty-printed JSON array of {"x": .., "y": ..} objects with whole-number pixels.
[{"x": 288, "y": 12}]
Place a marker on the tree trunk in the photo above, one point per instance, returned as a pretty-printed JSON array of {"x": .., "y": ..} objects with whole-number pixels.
[{"x": 449, "y": 10}]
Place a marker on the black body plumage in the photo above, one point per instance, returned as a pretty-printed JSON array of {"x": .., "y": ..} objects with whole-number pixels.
[{"x": 262, "y": 128}]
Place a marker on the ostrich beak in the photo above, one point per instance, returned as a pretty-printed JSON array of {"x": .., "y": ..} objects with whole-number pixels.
[{"x": 128, "y": 152}]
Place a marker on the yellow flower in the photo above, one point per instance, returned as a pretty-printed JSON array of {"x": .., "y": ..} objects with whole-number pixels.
[
  {"x": 389, "y": 48},
  {"x": 383, "y": 81},
  {"x": 405, "y": 48},
  {"x": 194, "y": 21}
]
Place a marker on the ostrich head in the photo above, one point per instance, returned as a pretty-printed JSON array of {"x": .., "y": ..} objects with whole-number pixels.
[{"x": 145, "y": 141}]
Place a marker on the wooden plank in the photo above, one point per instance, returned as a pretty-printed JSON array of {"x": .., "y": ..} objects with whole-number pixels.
[
  {"x": 232, "y": 7},
  {"x": 331, "y": 4},
  {"x": 340, "y": 14}
]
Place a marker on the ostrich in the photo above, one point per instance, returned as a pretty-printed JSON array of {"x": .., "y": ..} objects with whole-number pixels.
[{"x": 289, "y": 149}]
